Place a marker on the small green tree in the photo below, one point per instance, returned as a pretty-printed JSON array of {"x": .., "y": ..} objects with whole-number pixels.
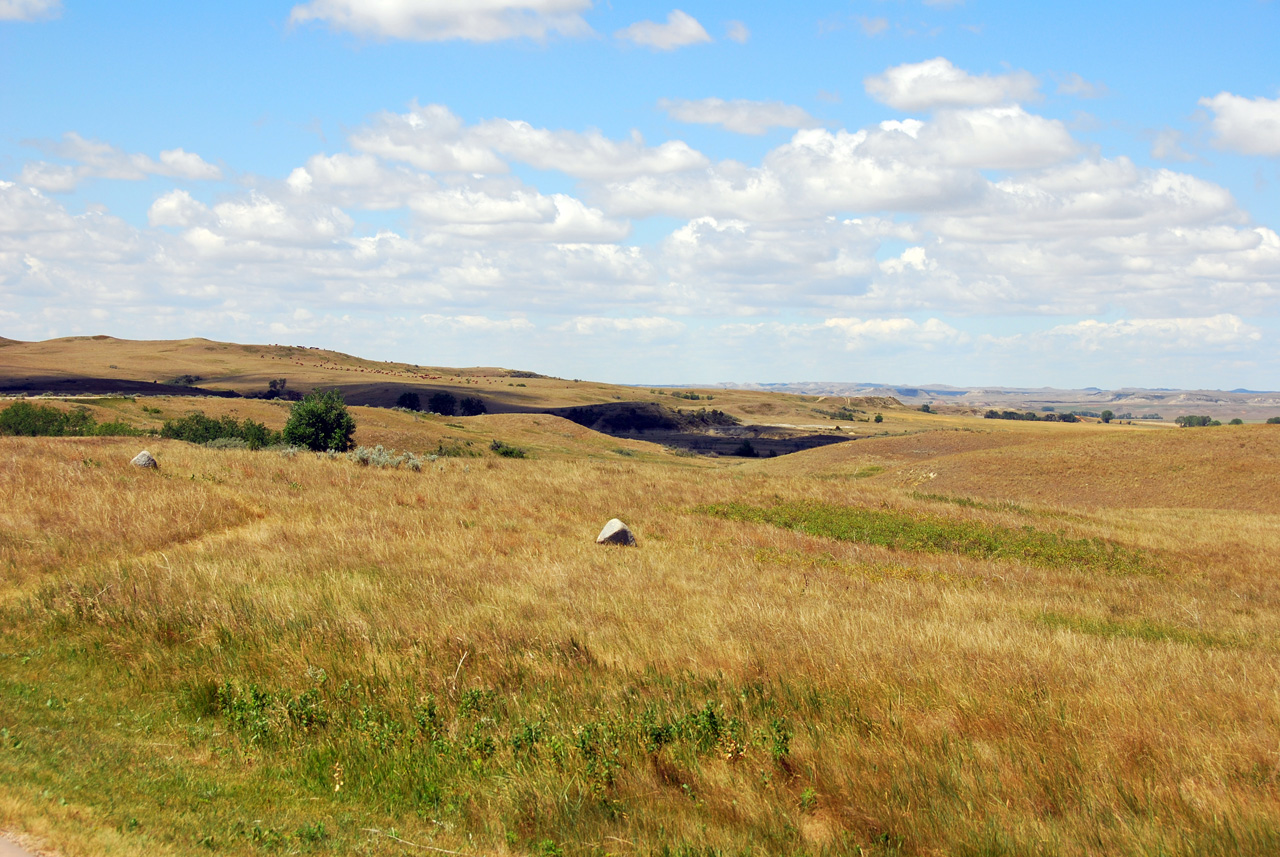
[
  {"x": 1236, "y": 422},
  {"x": 409, "y": 400},
  {"x": 879, "y": 418},
  {"x": 1108, "y": 416},
  {"x": 925, "y": 409},
  {"x": 319, "y": 422},
  {"x": 443, "y": 403},
  {"x": 471, "y": 406},
  {"x": 1273, "y": 421}
]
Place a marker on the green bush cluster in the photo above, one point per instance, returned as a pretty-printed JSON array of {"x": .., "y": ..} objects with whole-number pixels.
[
  {"x": 506, "y": 450},
  {"x": 449, "y": 405},
  {"x": 24, "y": 419},
  {"x": 843, "y": 414},
  {"x": 198, "y": 428},
  {"x": 1032, "y": 416},
  {"x": 1193, "y": 421}
]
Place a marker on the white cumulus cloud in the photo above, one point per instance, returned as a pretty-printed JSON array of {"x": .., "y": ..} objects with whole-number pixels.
[
  {"x": 444, "y": 20},
  {"x": 1247, "y": 125},
  {"x": 645, "y": 328},
  {"x": 740, "y": 115},
  {"x": 937, "y": 83},
  {"x": 586, "y": 155},
  {"x": 177, "y": 208},
  {"x": 680, "y": 30},
  {"x": 432, "y": 138},
  {"x": 1222, "y": 331},
  {"x": 95, "y": 159},
  {"x": 904, "y": 332},
  {"x": 29, "y": 10},
  {"x": 1074, "y": 84}
]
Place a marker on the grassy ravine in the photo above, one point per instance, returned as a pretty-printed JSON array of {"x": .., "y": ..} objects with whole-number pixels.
[
  {"x": 246, "y": 653},
  {"x": 904, "y": 531}
]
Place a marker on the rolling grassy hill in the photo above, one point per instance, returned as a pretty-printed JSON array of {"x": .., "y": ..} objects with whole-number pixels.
[{"x": 963, "y": 636}]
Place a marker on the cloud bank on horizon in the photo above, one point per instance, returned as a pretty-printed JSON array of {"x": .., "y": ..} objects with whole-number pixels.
[{"x": 652, "y": 195}]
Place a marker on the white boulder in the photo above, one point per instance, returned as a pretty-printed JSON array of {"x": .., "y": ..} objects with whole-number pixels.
[
  {"x": 616, "y": 533},
  {"x": 144, "y": 459}
]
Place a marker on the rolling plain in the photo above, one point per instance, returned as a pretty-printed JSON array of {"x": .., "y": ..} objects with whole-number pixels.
[{"x": 949, "y": 636}]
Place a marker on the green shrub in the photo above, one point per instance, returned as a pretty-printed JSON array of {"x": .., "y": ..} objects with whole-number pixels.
[
  {"x": 119, "y": 429},
  {"x": 445, "y": 404},
  {"x": 1236, "y": 422},
  {"x": 1273, "y": 421},
  {"x": 409, "y": 401},
  {"x": 24, "y": 419},
  {"x": 455, "y": 449},
  {"x": 319, "y": 422},
  {"x": 471, "y": 406},
  {"x": 198, "y": 428},
  {"x": 226, "y": 443},
  {"x": 506, "y": 450}
]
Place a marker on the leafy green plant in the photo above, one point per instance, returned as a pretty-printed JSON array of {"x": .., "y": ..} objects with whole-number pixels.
[
  {"x": 452, "y": 448},
  {"x": 445, "y": 404},
  {"x": 24, "y": 419},
  {"x": 320, "y": 421},
  {"x": 506, "y": 450},
  {"x": 198, "y": 428}
]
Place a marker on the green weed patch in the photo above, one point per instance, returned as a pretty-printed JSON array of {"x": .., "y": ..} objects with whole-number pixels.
[
  {"x": 1146, "y": 630},
  {"x": 932, "y": 534}
]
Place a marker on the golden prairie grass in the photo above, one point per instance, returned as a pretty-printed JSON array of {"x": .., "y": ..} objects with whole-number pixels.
[{"x": 250, "y": 653}]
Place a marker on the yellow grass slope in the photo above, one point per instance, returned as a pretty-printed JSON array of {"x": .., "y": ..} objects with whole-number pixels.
[{"x": 493, "y": 682}]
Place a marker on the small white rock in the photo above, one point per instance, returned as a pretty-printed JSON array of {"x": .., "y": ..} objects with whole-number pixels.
[
  {"x": 616, "y": 533},
  {"x": 144, "y": 459}
]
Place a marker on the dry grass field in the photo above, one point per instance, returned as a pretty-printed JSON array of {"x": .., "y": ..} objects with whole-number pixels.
[{"x": 964, "y": 637}]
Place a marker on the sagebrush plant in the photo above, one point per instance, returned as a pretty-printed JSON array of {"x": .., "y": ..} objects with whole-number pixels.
[
  {"x": 251, "y": 654},
  {"x": 379, "y": 457}
]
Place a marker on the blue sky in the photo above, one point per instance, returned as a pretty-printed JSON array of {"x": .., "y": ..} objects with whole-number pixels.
[{"x": 918, "y": 192}]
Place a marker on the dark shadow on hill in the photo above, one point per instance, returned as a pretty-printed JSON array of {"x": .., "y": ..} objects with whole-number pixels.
[
  {"x": 704, "y": 430},
  {"x": 78, "y": 385}
]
